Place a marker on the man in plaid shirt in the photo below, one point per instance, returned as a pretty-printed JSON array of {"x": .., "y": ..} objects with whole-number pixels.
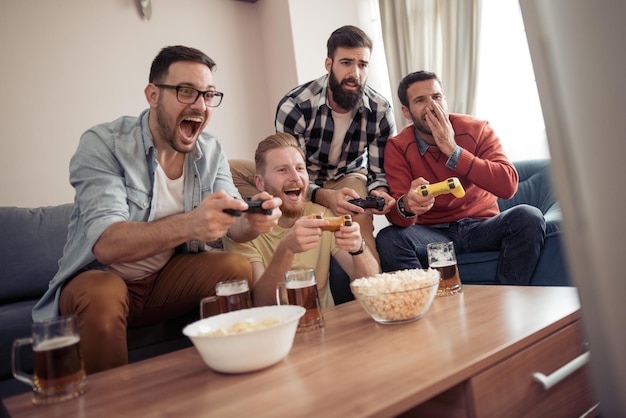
[{"x": 343, "y": 126}]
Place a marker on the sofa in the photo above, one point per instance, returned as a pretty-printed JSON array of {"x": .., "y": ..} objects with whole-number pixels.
[
  {"x": 535, "y": 188},
  {"x": 31, "y": 243}
]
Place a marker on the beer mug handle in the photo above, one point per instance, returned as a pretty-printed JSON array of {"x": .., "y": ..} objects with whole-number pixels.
[
  {"x": 281, "y": 293},
  {"x": 16, "y": 361},
  {"x": 205, "y": 312}
]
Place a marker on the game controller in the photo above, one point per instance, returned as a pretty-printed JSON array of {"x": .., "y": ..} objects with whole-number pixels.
[
  {"x": 451, "y": 185},
  {"x": 254, "y": 206},
  {"x": 370, "y": 202},
  {"x": 334, "y": 223}
]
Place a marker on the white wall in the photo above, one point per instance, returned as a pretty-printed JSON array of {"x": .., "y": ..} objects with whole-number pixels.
[{"x": 70, "y": 64}]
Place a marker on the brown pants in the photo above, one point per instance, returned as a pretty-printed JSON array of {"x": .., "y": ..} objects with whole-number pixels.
[
  {"x": 105, "y": 304},
  {"x": 243, "y": 177}
]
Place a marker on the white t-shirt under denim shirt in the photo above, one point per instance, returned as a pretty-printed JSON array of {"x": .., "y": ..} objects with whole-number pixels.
[{"x": 168, "y": 195}]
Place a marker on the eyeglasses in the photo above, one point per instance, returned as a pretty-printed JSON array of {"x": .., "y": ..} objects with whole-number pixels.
[{"x": 189, "y": 95}]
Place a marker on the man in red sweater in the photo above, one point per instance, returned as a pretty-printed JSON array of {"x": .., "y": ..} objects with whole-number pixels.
[{"x": 436, "y": 146}]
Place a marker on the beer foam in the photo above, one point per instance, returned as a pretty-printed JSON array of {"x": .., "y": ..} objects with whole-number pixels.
[
  {"x": 57, "y": 342},
  {"x": 299, "y": 284},
  {"x": 231, "y": 289},
  {"x": 444, "y": 263}
]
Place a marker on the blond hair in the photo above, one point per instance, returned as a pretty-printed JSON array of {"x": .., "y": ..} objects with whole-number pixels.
[{"x": 275, "y": 141}]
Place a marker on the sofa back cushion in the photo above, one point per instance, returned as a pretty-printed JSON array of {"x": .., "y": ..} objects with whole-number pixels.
[
  {"x": 535, "y": 186},
  {"x": 31, "y": 244}
]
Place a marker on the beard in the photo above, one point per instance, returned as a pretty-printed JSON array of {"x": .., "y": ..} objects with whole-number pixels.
[
  {"x": 168, "y": 130},
  {"x": 289, "y": 209},
  {"x": 421, "y": 125},
  {"x": 345, "y": 99}
]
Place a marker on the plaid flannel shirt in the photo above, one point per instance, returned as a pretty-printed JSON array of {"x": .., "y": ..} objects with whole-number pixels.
[{"x": 304, "y": 113}]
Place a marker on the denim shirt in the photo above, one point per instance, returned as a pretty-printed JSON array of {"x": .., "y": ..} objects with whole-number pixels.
[{"x": 112, "y": 172}]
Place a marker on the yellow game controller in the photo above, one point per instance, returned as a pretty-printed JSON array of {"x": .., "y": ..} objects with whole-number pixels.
[
  {"x": 334, "y": 223},
  {"x": 451, "y": 185}
]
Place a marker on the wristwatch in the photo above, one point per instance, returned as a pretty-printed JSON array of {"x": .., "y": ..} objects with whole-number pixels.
[
  {"x": 402, "y": 210},
  {"x": 361, "y": 249}
]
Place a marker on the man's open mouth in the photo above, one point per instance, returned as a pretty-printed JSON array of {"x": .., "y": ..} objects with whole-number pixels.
[
  {"x": 294, "y": 192},
  {"x": 190, "y": 126}
]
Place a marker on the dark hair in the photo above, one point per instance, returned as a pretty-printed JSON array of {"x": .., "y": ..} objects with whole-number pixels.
[
  {"x": 171, "y": 54},
  {"x": 413, "y": 78},
  {"x": 275, "y": 141},
  {"x": 347, "y": 37}
]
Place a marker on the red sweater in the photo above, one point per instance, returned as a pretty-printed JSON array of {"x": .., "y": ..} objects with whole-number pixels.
[{"x": 483, "y": 169}]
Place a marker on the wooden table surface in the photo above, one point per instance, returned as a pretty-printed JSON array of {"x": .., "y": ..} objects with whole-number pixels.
[{"x": 354, "y": 367}]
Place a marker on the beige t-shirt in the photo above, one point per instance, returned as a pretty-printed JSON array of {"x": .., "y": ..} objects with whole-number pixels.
[{"x": 262, "y": 248}]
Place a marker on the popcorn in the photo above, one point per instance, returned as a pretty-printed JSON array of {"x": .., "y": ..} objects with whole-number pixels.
[
  {"x": 243, "y": 326},
  {"x": 395, "y": 297}
]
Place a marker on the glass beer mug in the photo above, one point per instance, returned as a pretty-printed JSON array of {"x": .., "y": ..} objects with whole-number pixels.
[
  {"x": 59, "y": 373},
  {"x": 300, "y": 288}
]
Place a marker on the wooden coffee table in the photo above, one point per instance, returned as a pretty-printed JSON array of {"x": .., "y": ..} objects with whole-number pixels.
[{"x": 472, "y": 355}]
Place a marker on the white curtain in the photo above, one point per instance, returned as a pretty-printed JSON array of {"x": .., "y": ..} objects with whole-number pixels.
[{"x": 433, "y": 35}]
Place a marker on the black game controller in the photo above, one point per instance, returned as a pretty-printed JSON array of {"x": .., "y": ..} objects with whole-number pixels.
[
  {"x": 370, "y": 202},
  {"x": 254, "y": 206}
]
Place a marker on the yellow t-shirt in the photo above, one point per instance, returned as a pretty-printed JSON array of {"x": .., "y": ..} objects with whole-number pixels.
[{"x": 262, "y": 248}]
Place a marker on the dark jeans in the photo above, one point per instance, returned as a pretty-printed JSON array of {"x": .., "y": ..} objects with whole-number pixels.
[{"x": 518, "y": 233}]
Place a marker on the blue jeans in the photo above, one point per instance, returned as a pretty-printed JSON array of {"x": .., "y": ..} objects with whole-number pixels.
[{"x": 518, "y": 233}]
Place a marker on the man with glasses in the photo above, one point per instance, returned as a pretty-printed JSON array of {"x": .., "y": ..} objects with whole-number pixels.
[{"x": 150, "y": 192}]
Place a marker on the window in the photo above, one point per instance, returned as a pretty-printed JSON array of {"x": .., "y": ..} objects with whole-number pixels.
[{"x": 506, "y": 90}]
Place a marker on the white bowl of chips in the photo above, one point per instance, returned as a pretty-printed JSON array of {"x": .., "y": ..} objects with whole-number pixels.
[
  {"x": 401, "y": 296},
  {"x": 245, "y": 340}
]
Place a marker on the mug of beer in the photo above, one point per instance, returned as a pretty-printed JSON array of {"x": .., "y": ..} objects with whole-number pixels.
[
  {"x": 300, "y": 288},
  {"x": 442, "y": 258},
  {"x": 58, "y": 372},
  {"x": 229, "y": 296}
]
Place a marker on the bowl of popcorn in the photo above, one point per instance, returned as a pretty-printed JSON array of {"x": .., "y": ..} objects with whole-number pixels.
[
  {"x": 401, "y": 296},
  {"x": 245, "y": 340}
]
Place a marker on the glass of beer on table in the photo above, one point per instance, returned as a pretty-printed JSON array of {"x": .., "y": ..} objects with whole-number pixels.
[
  {"x": 229, "y": 296},
  {"x": 300, "y": 288},
  {"x": 58, "y": 371},
  {"x": 442, "y": 258}
]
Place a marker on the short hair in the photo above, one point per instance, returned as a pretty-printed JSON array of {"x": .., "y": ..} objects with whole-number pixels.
[
  {"x": 272, "y": 142},
  {"x": 413, "y": 78},
  {"x": 171, "y": 54},
  {"x": 347, "y": 37}
]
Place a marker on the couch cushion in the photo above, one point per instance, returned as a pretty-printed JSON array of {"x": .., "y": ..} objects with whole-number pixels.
[
  {"x": 535, "y": 186},
  {"x": 16, "y": 321},
  {"x": 31, "y": 245}
]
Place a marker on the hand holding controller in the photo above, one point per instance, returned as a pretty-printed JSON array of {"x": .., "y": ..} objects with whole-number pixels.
[
  {"x": 254, "y": 206},
  {"x": 334, "y": 223},
  {"x": 451, "y": 185},
  {"x": 370, "y": 202}
]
